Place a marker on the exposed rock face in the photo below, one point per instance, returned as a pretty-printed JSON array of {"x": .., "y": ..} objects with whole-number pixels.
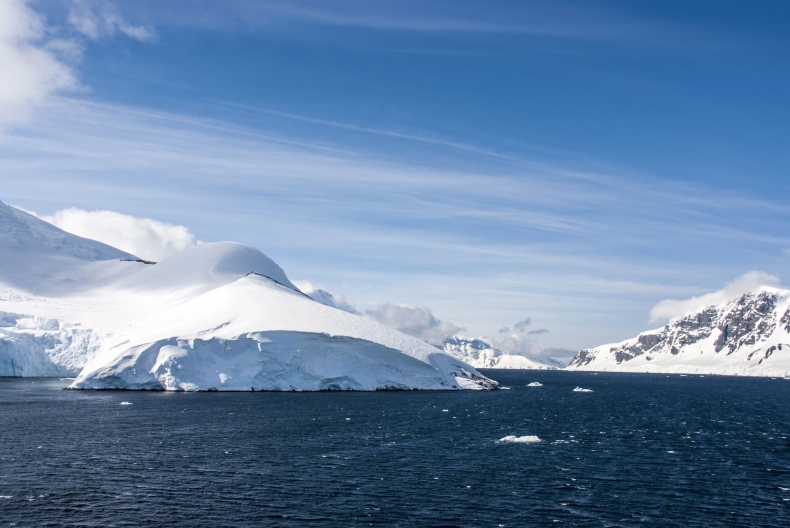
[{"x": 748, "y": 336}]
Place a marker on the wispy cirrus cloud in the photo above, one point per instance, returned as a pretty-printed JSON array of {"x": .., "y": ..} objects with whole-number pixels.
[
  {"x": 553, "y": 21},
  {"x": 475, "y": 237},
  {"x": 100, "y": 18}
]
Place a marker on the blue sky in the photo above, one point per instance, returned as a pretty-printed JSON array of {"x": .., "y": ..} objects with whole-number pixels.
[{"x": 570, "y": 162}]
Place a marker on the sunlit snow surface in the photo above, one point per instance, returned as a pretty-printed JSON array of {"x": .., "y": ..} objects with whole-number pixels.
[
  {"x": 749, "y": 336},
  {"x": 218, "y": 316}
]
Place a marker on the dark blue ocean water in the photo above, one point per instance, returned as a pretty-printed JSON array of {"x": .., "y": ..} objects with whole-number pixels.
[{"x": 640, "y": 450}]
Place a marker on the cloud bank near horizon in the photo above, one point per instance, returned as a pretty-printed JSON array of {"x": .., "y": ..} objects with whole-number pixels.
[{"x": 416, "y": 321}]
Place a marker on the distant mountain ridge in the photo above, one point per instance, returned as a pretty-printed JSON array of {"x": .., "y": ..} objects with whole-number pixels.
[
  {"x": 481, "y": 354},
  {"x": 749, "y": 336}
]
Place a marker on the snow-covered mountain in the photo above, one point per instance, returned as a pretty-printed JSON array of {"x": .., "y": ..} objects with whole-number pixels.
[
  {"x": 220, "y": 316},
  {"x": 748, "y": 337},
  {"x": 481, "y": 354}
]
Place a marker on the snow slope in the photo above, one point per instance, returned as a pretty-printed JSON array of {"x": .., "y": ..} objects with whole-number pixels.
[
  {"x": 747, "y": 337},
  {"x": 37, "y": 255},
  {"x": 217, "y": 316},
  {"x": 481, "y": 354}
]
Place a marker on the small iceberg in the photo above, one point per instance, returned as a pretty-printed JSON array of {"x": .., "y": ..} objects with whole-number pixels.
[
  {"x": 513, "y": 439},
  {"x": 579, "y": 389},
  {"x": 535, "y": 384},
  {"x": 126, "y": 403}
]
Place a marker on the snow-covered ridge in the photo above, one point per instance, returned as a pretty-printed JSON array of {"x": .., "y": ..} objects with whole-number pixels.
[
  {"x": 748, "y": 337},
  {"x": 219, "y": 316},
  {"x": 481, "y": 354}
]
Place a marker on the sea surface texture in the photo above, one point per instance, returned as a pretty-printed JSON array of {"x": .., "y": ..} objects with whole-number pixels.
[{"x": 639, "y": 450}]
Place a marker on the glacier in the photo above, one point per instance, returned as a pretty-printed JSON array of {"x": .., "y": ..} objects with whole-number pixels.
[{"x": 217, "y": 316}]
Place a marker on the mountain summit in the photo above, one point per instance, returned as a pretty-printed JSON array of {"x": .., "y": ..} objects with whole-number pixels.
[
  {"x": 749, "y": 336},
  {"x": 35, "y": 253},
  {"x": 219, "y": 316}
]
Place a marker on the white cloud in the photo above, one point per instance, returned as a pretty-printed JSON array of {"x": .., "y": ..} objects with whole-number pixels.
[
  {"x": 417, "y": 321},
  {"x": 146, "y": 238},
  {"x": 96, "y": 19},
  {"x": 518, "y": 344},
  {"x": 318, "y": 293},
  {"x": 36, "y": 65},
  {"x": 30, "y": 68},
  {"x": 748, "y": 282}
]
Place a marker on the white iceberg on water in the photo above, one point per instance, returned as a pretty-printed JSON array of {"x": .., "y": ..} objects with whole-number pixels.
[{"x": 513, "y": 439}]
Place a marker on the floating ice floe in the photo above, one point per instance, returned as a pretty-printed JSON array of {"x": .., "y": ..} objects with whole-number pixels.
[
  {"x": 126, "y": 403},
  {"x": 535, "y": 384},
  {"x": 579, "y": 389},
  {"x": 513, "y": 439}
]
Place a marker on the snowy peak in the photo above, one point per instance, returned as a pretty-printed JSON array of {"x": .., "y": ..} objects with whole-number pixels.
[
  {"x": 206, "y": 266},
  {"x": 481, "y": 354},
  {"x": 23, "y": 232},
  {"x": 218, "y": 316},
  {"x": 42, "y": 258},
  {"x": 35, "y": 252},
  {"x": 748, "y": 336}
]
